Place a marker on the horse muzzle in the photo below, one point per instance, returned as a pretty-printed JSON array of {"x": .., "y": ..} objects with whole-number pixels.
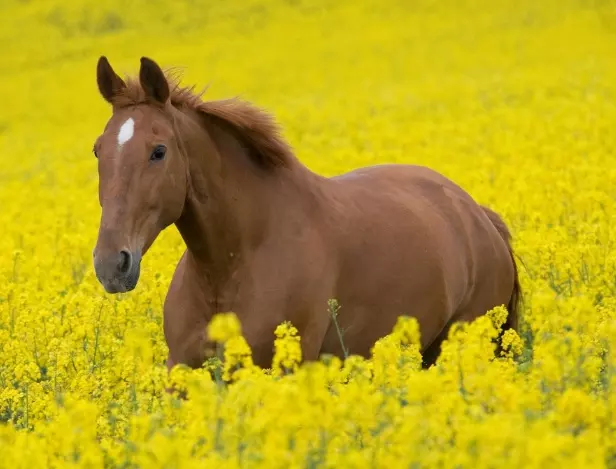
[{"x": 118, "y": 272}]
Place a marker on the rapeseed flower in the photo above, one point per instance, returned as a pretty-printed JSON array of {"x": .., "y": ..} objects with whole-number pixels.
[{"x": 513, "y": 102}]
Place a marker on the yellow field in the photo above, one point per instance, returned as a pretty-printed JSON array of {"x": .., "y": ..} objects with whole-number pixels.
[{"x": 513, "y": 100}]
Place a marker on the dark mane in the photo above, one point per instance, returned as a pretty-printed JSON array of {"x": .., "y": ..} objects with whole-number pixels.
[{"x": 255, "y": 126}]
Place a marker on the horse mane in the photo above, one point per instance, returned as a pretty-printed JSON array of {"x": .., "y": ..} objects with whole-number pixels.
[{"x": 253, "y": 125}]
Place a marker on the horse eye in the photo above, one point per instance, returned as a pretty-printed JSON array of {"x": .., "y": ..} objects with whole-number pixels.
[
  {"x": 158, "y": 153},
  {"x": 94, "y": 151}
]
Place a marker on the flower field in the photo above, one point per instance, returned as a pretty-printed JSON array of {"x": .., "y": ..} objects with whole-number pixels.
[{"x": 515, "y": 101}]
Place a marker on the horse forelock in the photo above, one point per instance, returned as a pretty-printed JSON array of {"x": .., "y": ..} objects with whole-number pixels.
[{"x": 253, "y": 125}]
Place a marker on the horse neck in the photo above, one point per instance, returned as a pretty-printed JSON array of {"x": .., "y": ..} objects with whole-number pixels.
[{"x": 229, "y": 198}]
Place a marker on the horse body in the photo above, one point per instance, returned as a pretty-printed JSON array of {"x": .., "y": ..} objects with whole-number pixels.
[
  {"x": 271, "y": 241},
  {"x": 383, "y": 241}
]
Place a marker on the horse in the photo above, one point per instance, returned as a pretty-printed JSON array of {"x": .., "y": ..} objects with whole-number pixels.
[{"x": 272, "y": 241}]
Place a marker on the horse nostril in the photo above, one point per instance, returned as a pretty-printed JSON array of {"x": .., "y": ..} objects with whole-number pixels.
[{"x": 125, "y": 261}]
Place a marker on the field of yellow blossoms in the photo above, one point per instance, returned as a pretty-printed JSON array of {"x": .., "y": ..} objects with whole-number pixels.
[{"x": 513, "y": 100}]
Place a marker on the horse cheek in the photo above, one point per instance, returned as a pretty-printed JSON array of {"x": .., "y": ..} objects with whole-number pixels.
[{"x": 171, "y": 194}]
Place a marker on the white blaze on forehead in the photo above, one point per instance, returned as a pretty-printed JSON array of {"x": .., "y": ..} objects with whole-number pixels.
[{"x": 126, "y": 131}]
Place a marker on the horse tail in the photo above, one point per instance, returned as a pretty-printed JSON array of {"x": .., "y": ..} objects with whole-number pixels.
[{"x": 513, "y": 307}]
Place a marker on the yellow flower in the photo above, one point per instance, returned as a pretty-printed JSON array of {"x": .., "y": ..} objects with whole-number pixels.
[
  {"x": 237, "y": 358},
  {"x": 287, "y": 349},
  {"x": 516, "y": 113},
  {"x": 223, "y": 327},
  {"x": 511, "y": 343},
  {"x": 498, "y": 315}
]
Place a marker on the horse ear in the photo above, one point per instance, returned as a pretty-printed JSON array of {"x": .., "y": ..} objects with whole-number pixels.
[
  {"x": 109, "y": 83},
  {"x": 153, "y": 81}
]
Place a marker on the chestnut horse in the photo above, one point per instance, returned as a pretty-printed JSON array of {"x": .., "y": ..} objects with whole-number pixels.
[{"x": 269, "y": 240}]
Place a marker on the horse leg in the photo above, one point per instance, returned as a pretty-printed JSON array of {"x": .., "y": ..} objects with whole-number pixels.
[
  {"x": 192, "y": 353},
  {"x": 312, "y": 337},
  {"x": 432, "y": 352}
]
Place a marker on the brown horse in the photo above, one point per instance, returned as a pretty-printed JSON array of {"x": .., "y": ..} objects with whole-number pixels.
[{"x": 272, "y": 241}]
